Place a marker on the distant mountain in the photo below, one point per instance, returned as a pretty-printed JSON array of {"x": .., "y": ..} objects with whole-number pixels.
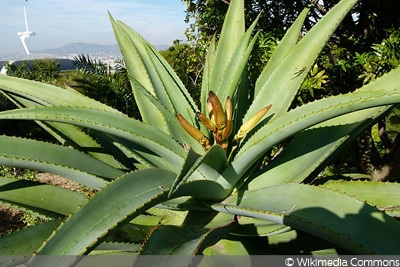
[
  {"x": 81, "y": 48},
  {"x": 88, "y": 49},
  {"x": 66, "y": 51},
  {"x": 161, "y": 47}
]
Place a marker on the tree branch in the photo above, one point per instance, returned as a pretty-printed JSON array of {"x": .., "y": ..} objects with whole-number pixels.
[
  {"x": 387, "y": 143},
  {"x": 320, "y": 7}
]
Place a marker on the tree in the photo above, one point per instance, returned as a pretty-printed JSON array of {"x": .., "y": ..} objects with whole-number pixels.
[
  {"x": 364, "y": 26},
  {"x": 186, "y": 60},
  {"x": 41, "y": 70},
  {"x": 368, "y": 17},
  {"x": 110, "y": 86}
]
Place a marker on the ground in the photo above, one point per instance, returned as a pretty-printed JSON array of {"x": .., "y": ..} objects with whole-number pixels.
[{"x": 11, "y": 219}]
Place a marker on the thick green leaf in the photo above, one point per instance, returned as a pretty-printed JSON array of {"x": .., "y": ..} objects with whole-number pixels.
[
  {"x": 27, "y": 240},
  {"x": 306, "y": 116},
  {"x": 183, "y": 204},
  {"x": 283, "y": 84},
  {"x": 115, "y": 249},
  {"x": 232, "y": 32},
  {"x": 237, "y": 67},
  {"x": 176, "y": 130},
  {"x": 191, "y": 163},
  {"x": 209, "y": 166},
  {"x": 198, "y": 175},
  {"x": 45, "y": 94},
  {"x": 139, "y": 155},
  {"x": 39, "y": 198},
  {"x": 19, "y": 91},
  {"x": 46, "y": 157},
  {"x": 235, "y": 82},
  {"x": 285, "y": 46},
  {"x": 254, "y": 227},
  {"x": 120, "y": 201},
  {"x": 68, "y": 135},
  {"x": 384, "y": 196},
  {"x": 225, "y": 68},
  {"x": 198, "y": 231},
  {"x": 149, "y": 69},
  {"x": 201, "y": 189},
  {"x": 321, "y": 110},
  {"x": 134, "y": 53},
  {"x": 295, "y": 167},
  {"x": 169, "y": 152},
  {"x": 343, "y": 220},
  {"x": 214, "y": 163},
  {"x": 311, "y": 149},
  {"x": 207, "y": 74},
  {"x": 141, "y": 226},
  {"x": 226, "y": 247},
  {"x": 110, "y": 146}
]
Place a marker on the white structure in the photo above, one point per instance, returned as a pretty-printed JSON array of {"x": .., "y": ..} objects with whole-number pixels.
[{"x": 25, "y": 35}]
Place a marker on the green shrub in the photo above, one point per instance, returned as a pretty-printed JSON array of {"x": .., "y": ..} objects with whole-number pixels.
[{"x": 42, "y": 70}]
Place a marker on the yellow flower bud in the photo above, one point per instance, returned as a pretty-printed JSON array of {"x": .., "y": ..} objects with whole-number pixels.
[
  {"x": 194, "y": 132},
  {"x": 251, "y": 123}
]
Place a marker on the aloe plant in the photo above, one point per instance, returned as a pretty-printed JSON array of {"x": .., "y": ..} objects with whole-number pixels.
[{"x": 185, "y": 180}]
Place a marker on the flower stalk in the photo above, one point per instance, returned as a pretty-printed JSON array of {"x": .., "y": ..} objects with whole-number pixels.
[{"x": 219, "y": 122}]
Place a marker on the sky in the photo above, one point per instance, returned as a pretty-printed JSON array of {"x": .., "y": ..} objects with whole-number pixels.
[{"x": 61, "y": 22}]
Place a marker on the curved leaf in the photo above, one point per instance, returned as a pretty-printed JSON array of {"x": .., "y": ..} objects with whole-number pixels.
[
  {"x": 147, "y": 66},
  {"x": 336, "y": 217},
  {"x": 384, "y": 196},
  {"x": 296, "y": 120},
  {"x": 201, "y": 189},
  {"x": 225, "y": 70},
  {"x": 254, "y": 227},
  {"x": 43, "y": 199},
  {"x": 283, "y": 84},
  {"x": 175, "y": 127},
  {"x": 191, "y": 163},
  {"x": 284, "y": 47},
  {"x": 169, "y": 152},
  {"x": 311, "y": 149},
  {"x": 120, "y": 201},
  {"x": 67, "y": 135},
  {"x": 198, "y": 175},
  {"x": 46, "y": 94},
  {"x": 232, "y": 32},
  {"x": 233, "y": 73},
  {"x": 19, "y": 91},
  {"x": 46, "y": 157},
  {"x": 198, "y": 231},
  {"x": 27, "y": 240}
]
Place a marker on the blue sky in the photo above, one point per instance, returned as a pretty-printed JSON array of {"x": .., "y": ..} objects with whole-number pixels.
[{"x": 57, "y": 23}]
